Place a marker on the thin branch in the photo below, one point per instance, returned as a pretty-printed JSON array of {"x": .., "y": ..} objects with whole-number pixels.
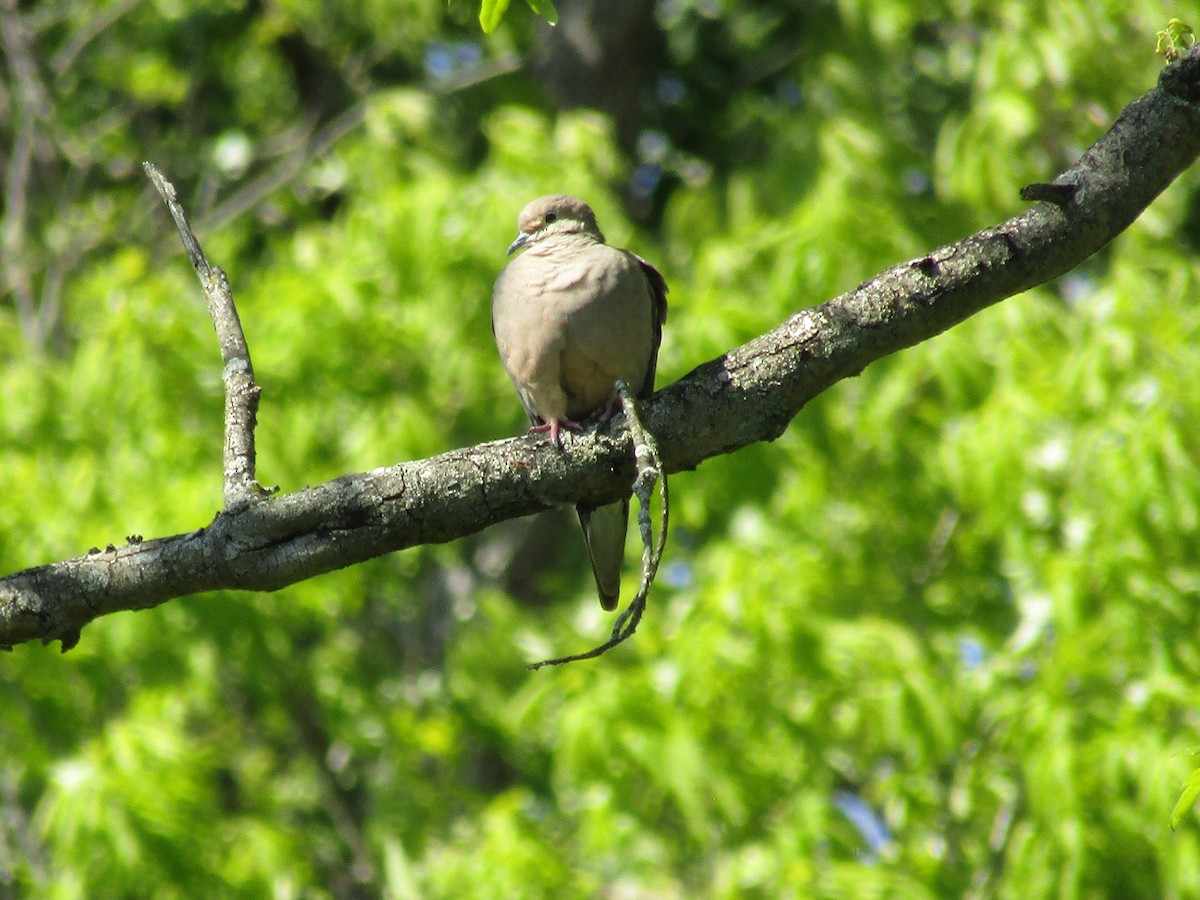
[
  {"x": 17, "y": 39},
  {"x": 649, "y": 474},
  {"x": 13, "y": 242},
  {"x": 30, "y": 100},
  {"x": 750, "y": 394},
  {"x": 241, "y": 393},
  {"x": 67, "y": 255}
]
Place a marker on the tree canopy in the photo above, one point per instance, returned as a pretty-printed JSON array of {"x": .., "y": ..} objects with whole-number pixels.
[{"x": 940, "y": 638}]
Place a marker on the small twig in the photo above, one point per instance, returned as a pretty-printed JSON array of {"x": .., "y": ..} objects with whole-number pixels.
[
  {"x": 241, "y": 393},
  {"x": 649, "y": 472},
  {"x": 1056, "y": 192}
]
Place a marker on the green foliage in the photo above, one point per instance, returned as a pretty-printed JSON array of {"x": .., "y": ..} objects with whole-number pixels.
[
  {"x": 1191, "y": 790},
  {"x": 1173, "y": 40},
  {"x": 939, "y": 639},
  {"x": 491, "y": 12}
]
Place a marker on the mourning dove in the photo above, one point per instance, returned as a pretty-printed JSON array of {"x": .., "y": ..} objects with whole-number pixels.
[{"x": 572, "y": 315}]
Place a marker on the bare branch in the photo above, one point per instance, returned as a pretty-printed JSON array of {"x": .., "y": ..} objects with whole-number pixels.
[
  {"x": 749, "y": 394},
  {"x": 241, "y": 393}
]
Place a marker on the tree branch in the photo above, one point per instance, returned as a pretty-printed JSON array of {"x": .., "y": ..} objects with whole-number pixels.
[
  {"x": 31, "y": 104},
  {"x": 241, "y": 393},
  {"x": 750, "y": 394}
]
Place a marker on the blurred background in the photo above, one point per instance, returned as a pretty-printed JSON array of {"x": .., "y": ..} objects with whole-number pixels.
[{"x": 938, "y": 640}]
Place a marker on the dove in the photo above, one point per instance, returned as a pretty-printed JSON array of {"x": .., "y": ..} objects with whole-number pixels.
[{"x": 572, "y": 315}]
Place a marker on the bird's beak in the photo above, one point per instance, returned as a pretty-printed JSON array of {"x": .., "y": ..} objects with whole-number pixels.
[{"x": 520, "y": 242}]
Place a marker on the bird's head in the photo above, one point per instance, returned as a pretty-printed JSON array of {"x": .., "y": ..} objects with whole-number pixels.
[{"x": 556, "y": 214}]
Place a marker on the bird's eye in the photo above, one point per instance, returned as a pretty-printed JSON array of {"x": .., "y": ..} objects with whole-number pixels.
[{"x": 549, "y": 217}]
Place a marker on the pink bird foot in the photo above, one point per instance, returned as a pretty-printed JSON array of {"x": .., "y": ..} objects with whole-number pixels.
[{"x": 553, "y": 426}]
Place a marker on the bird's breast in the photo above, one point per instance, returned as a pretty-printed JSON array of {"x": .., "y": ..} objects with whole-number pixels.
[{"x": 577, "y": 319}]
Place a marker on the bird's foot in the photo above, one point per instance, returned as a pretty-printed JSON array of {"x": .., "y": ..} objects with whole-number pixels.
[{"x": 553, "y": 427}]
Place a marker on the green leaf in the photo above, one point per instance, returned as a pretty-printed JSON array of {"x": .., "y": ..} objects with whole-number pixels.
[
  {"x": 490, "y": 14},
  {"x": 1191, "y": 789},
  {"x": 545, "y": 9},
  {"x": 1174, "y": 39}
]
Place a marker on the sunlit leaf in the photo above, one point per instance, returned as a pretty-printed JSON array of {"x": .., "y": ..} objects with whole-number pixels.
[
  {"x": 490, "y": 14},
  {"x": 1191, "y": 790}
]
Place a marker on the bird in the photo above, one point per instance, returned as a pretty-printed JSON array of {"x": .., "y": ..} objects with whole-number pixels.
[{"x": 571, "y": 315}]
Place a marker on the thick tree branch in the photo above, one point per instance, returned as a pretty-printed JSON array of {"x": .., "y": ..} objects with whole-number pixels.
[{"x": 748, "y": 395}]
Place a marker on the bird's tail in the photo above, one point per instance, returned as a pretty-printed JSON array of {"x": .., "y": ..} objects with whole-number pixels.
[{"x": 604, "y": 532}]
